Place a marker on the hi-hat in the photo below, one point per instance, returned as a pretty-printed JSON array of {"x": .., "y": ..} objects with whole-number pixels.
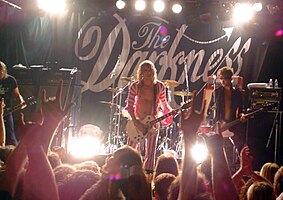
[
  {"x": 183, "y": 93},
  {"x": 109, "y": 103},
  {"x": 126, "y": 79},
  {"x": 171, "y": 83}
]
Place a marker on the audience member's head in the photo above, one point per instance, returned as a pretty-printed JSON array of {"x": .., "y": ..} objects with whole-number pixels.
[
  {"x": 166, "y": 163},
  {"x": 62, "y": 172},
  {"x": 54, "y": 159},
  {"x": 88, "y": 165},
  {"x": 268, "y": 171},
  {"x": 260, "y": 191},
  {"x": 174, "y": 188},
  {"x": 124, "y": 175},
  {"x": 162, "y": 183},
  {"x": 278, "y": 181},
  {"x": 77, "y": 183}
]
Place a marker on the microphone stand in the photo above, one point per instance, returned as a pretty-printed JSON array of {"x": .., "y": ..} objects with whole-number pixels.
[
  {"x": 214, "y": 99},
  {"x": 187, "y": 79}
]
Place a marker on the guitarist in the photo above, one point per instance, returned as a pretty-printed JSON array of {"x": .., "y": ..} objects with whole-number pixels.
[
  {"x": 229, "y": 105},
  {"x": 147, "y": 96},
  {"x": 9, "y": 90}
]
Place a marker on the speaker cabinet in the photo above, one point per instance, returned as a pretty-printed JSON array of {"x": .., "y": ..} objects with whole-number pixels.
[
  {"x": 263, "y": 137},
  {"x": 48, "y": 80}
]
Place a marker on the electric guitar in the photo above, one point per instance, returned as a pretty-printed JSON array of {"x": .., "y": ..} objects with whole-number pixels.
[
  {"x": 226, "y": 126},
  {"x": 30, "y": 101},
  {"x": 136, "y": 135}
]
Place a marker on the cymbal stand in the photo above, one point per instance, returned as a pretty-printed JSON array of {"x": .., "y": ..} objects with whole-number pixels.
[
  {"x": 118, "y": 137},
  {"x": 109, "y": 146},
  {"x": 169, "y": 94}
]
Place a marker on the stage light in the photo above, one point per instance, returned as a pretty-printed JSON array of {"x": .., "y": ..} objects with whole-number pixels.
[
  {"x": 177, "y": 8},
  {"x": 199, "y": 152},
  {"x": 158, "y": 6},
  {"x": 257, "y": 6},
  {"x": 84, "y": 146},
  {"x": 140, "y": 5},
  {"x": 52, "y": 6},
  {"x": 120, "y": 4},
  {"x": 242, "y": 13}
]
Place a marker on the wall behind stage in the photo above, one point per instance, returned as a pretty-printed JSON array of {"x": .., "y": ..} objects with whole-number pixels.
[{"x": 92, "y": 40}]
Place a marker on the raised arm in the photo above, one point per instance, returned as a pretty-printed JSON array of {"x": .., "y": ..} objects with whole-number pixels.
[
  {"x": 190, "y": 123},
  {"x": 223, "y": 185},
  {"x": 34, "y": 146}
]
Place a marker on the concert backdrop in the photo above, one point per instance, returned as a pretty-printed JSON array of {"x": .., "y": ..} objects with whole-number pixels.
[{"x": 94, "y": 40}]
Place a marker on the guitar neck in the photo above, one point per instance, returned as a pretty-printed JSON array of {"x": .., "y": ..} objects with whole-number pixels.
[
  {"x": 159, "y": 119},
  {"x": 233, "y": 123},
  {"x": 230, "y": 124},
  {"x": 173, "y": 112}
]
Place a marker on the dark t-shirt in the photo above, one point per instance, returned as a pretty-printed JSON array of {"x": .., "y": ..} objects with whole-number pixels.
[{"x": 6, "y": 88}]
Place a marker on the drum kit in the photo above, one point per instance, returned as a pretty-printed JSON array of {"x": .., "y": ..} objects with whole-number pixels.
[{"x": 117, "y": 136}]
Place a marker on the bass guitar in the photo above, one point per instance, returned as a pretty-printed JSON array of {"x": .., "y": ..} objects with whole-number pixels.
[
  {"x": 226, "y": 126},
  {"x": 30, "y": 101},
  {"x": 136, "y": 135}
]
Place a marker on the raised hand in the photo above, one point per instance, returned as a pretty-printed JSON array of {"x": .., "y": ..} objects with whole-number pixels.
[
  {"x": 191, "y": 119},
  {"x": 51, "y": 107},
  {"x": 246, "y": 161}
]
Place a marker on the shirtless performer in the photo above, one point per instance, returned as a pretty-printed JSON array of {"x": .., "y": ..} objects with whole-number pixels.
[{"x": 147, "y": 96}]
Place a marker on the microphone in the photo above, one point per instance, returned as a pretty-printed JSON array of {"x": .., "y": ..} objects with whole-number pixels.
[
  {"x": 74, "y": 70},
  {"x": 113, "y": 73}
]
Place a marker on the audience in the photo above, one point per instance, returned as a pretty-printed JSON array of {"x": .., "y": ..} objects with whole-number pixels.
[
  {"x": 162, "y": 183},
  {"x": 88, "y": 165},
  {"x": 62, "y": 172},
  {"x": 33, "y": 171},
  {"x": 260, "y": 191},
  {"x": 166, "y": 163},
  {"x": 278, "y": 183},
  {"x": 77, "y": 183},
  {"x": 268, "y": 171},
  {"x": 124, "y": 174}
]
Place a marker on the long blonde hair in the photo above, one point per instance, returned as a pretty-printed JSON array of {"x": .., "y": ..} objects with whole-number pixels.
[
  {"x": 152, "y": 67},
  {"x": 4, "y": 69}
]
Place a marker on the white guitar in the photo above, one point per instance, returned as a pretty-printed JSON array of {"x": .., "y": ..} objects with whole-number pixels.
[{"x": 136, "y": 135}]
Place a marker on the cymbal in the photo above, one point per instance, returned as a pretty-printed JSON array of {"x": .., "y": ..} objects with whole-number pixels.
[
  {"x": 109, "y": 103},
  {"x": 126, "y": 79},
  {"x": 115, "y": 90},
  {"x": 183, "y": 93},
  {"x": 171, "y": 83}
]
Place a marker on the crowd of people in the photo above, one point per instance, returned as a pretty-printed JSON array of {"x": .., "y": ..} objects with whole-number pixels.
[{"x": 30, "y": 170}]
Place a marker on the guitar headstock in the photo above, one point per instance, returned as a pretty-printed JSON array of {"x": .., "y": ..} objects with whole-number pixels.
[
  {"x": 31, "y": 100},
  {"x": 270, "y": 106},
  {"x": 187, "y": 104}
]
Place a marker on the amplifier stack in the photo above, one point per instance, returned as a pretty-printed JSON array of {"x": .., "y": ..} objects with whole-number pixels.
[{"x": 262, "y": 97}]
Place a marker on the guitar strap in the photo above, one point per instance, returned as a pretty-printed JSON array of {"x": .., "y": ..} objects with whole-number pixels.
[{"x": 154, "y": 99}]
